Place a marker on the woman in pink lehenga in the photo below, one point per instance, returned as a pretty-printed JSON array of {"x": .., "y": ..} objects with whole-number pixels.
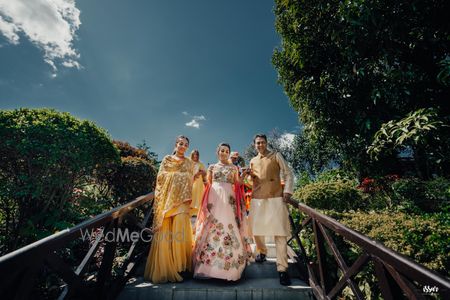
[{"x": 222, "y": 243}]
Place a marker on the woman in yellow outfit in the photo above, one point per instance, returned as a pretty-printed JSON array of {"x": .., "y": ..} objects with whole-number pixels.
[
  {"x": 199, "y": 182},
  {"x": 171, "y": 249}
]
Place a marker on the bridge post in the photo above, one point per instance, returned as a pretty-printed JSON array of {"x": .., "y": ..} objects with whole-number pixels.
[{"x": 104, "y": 274}]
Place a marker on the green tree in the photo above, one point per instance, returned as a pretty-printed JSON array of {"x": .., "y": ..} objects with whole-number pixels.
[
  {"x": 152, "y": 156},
  {"x": 419, "y": 131},
  {"x": 313, "y": 154},
  {"x": 350, "y": 66},
  {"x": 44, "y": 156}
]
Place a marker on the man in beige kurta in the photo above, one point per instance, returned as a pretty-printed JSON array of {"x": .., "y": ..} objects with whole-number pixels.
[{"x": 269, "y": 215}]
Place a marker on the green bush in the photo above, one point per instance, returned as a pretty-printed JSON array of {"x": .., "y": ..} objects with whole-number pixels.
[
  {"x": 338, "y": 195},
  {"x": 44, "y": 156},
  {"x": 424, "y": 238},
  {"x": 125, "y": 150},
  {"x": 437, "y": 193},
  {"x": 135, "y": 176},
  {"x": 427, "y": 196},
  {"x": 336, "y": 175}
]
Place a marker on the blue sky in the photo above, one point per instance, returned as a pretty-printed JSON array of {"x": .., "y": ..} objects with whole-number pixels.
[{"x": 145, "y": 69}]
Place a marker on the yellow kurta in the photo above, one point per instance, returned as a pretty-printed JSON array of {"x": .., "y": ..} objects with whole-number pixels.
[
  {"x": 197, "y": 189},
  {"x": 171, "y": 248}
]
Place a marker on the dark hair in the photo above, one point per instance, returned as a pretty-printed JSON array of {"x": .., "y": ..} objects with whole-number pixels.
[
  {"x": 259, "y": 135},
  {"x": 181, "y": 137},
  {"x": 223, "y": 145},
  {"x": 176, "y": 141},
  {"x": 195, "y": 151}
]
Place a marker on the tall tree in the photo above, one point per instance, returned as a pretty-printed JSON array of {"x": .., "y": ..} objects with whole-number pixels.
[{"x": 350, "y": 66}]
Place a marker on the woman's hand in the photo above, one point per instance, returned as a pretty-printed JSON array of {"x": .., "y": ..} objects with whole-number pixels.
[{"x": 200, "y": 173}]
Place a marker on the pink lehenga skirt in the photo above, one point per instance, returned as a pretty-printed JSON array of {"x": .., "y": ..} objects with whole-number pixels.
[{"x": 222, "y": 247}]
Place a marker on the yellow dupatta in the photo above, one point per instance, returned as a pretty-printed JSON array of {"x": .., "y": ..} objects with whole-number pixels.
[{"x": 173, "y": 187}]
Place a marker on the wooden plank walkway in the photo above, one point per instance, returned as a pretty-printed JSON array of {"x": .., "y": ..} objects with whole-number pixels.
[{"x": 259, "y": 281}]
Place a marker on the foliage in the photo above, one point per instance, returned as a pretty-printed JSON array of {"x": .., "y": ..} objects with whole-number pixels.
[
  {"x": 411, "y": 130},
  {"x": 135, "y": 176},
  {"x": 152, "y": 156},
  {"x": 444, "y": 75},
  {"x": 303, "y": 178},
  {"x": 350, "y": 66},
  {"x": 313, "y": 154},
  {"x": 415, "y": 195},
  {"x": 420, "y": 131},
  {"x": 339, "y": 195},
  {"x": 336, "y": 174},
  {"x": 44, "y": 156},
  {"x": 424, "y": 238},
  {"x": 125, "y": 150}
]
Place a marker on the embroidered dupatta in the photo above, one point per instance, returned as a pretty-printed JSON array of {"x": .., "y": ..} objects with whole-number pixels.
[{"x": 173, "y": 187}]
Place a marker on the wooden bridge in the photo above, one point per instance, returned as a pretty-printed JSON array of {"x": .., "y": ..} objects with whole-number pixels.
[{"x": 45, "y": 269}]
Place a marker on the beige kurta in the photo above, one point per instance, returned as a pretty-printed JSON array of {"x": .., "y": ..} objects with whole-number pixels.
[{"x": 269, "y": 215}]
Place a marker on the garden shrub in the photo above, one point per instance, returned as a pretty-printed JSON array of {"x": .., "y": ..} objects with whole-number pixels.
[
  {"x": 337, "y": 174},
  {"x": 136, "y": 174},
  {"x": 407, "y": 215},
  {"x": 135, "y": 177},
  {"x": 44, "y": 156},
  {"x": 125, "y": 150},
  {"x": 427, "y": 196},
  {"x": 437, "y": 195},
  {"x": 424, "y": 238},
  {"x": 338, "y": 195}
]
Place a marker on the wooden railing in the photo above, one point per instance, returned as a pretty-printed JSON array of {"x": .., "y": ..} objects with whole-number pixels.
[
  {"x": 398, "y": 276},
  {"x": 20, "y": 269}
]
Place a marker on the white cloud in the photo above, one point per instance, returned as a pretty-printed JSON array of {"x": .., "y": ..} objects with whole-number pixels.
[
  {"x": 49, "y": 24},
  {"x": 199, "y": 118},
  {"x": 9, "y": 30},
  {"x": 193, "y": 123},
  {"x": 195, "y": 120}
]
